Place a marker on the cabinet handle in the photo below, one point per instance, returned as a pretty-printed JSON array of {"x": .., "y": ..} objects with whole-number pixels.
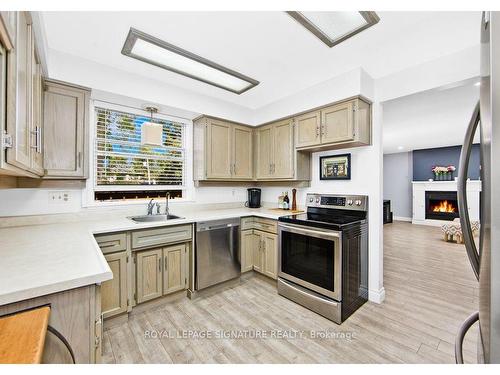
[
  {"x": 317, "y": 131},
  {"x": 39, "y": 141},
  {"x": 263, "y": 245},
  {"x": 234, "y": 168},
  {"x": 36, "y": 136},
  {"x": 159, "y": 264},
  {"x": 79, "y": 159},
  {"x": 166, "y": 264}
]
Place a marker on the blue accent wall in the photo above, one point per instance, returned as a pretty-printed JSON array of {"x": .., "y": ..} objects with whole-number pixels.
[{"x": 424, "y": 160}]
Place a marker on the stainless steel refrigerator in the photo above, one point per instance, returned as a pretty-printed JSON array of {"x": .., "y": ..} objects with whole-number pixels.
[{"x": 485, "y": 258}]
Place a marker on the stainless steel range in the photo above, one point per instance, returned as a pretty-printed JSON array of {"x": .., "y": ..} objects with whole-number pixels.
[{"x": 323, "y": 255}]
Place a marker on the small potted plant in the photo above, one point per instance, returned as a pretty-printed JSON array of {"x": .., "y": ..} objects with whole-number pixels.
[{"x": 450, "y": 170}]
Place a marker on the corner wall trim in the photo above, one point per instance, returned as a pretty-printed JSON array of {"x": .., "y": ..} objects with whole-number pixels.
[{"x": 377, "y": 296}]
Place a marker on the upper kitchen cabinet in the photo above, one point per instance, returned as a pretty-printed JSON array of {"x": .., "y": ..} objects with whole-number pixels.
[
  {"x": 276, "y": 158},
  {"x": 340, "y": 125},
  {"x": 66, "y": 119},
  {"x": 222, "y": 150},
  {"x": 21, "y": 99}
]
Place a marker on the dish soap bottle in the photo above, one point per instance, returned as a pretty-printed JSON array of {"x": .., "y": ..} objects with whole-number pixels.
[{"x": 286, "y": 202}]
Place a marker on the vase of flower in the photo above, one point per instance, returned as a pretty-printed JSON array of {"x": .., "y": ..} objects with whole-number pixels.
[{"x": 451, "y": 169}]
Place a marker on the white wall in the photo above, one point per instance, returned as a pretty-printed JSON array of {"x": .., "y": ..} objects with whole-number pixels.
[{"x": 366, "y": 172}]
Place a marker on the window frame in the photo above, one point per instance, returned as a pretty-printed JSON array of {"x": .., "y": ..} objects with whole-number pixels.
[{"x": 88, "y": 198}]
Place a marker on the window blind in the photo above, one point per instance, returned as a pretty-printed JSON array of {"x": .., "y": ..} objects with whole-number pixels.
[{"x": 121, "y": 159}]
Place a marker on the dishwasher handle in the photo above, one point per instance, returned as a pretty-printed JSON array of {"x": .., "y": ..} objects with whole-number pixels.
[{"x": 217, "y": 224}]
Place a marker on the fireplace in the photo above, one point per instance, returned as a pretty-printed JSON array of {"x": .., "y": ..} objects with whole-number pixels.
[{"x": 441, "y": 205}]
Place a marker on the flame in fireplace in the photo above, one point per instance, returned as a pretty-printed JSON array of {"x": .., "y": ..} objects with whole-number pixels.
[{"x": 444, "y": 206}]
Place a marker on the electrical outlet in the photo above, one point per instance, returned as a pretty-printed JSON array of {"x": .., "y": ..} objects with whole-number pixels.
[{"x": 59, "y": 197}]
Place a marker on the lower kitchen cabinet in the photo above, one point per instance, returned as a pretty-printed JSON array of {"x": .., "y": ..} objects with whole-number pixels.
[
  {"x": 114, "y": 291},
  {"x": 266, "y": 254},
  {"x": 160, "y": 272},
  {"x": 248, "y": 243},
  {"x": 174, "y": 270},
  {"x": 259, "y": 247},
  {"x": 76, "y": 315},
  {"x": 149, "y": 274},
  {"x": 270, "y": 250}
]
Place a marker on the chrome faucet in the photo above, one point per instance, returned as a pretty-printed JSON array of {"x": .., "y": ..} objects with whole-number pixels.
[
  {"x": 166, "y": 204},
  {"x": 151, "y": 205}
]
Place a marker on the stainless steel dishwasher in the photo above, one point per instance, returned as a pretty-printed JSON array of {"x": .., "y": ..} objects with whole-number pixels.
[{"x": 217, "y": 252}]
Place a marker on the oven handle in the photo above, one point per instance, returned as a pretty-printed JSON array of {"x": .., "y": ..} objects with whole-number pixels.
[{"x": 302, "y": 230}]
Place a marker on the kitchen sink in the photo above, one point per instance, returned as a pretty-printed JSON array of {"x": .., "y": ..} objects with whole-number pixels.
[{"x": 153, "y": 218}]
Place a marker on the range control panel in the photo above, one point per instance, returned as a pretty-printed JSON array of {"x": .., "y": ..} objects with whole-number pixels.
[{"x": 352, "y": 202}]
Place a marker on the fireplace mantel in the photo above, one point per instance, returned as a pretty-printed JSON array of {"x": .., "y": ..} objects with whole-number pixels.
[{"x": 420, "y": 187}]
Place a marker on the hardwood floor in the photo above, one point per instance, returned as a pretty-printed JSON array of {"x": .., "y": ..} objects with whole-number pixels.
[{"x": 430, "y": 290}]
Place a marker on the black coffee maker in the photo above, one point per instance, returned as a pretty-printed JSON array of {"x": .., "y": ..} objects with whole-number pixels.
[{"x": 253, "y": 198}]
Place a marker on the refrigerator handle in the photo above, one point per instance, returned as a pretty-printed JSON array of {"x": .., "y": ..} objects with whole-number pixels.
[
  {"x": 470, "y": 245},
  {"x": 459, "y": 355}
]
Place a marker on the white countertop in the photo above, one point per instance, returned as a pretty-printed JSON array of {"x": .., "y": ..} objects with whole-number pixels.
[{"x": 42, "y": 259}]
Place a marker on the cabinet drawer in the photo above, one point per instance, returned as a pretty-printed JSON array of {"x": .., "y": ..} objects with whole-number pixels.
[
  {"x": 247, "y": 223},
  {"x": 110, "y": 243},
  {"x": 267, "y": 225},
  {"x": 161, "y": 236},
  {"x": 253, "y": 222}
]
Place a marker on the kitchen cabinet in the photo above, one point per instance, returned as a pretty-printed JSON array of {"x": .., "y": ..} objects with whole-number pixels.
[
  {"x": 65, "y": 130},
  {"x": 18, "y": 79},
  {"x": 242, "y": 152},
  {"x": 76, "y": 314},
  {"x": 174, "y": 270},
  {"x": 266, "y": 254},
  {"x": 21, "y": 99},
  {"x": 259, "y": 246},
  {"x": 248, "y": 243},
  {"x": 276, "y": 155},
  {"x": 264, "y": 152},
  {"x": 270, "y": 251},
  {"x": 114, "y": 292},
  {"x": 218, "y": 154},
  {"x": 222, "y": 150},
  {"x": 149, "y": 274},
  {"x": 160, "y": 271},
  {"x": 36, "y": 119},
  {"x": 308, "y": 129},
  {"x": 341, "y": 125}
]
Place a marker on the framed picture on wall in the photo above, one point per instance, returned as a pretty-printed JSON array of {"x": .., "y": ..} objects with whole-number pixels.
[{"x": 335, "y": 167}]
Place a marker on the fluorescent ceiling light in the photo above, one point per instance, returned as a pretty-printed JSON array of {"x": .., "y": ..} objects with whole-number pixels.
[
  {"x": 149, "y": 49},
  {"x": 335, "y": 27}
]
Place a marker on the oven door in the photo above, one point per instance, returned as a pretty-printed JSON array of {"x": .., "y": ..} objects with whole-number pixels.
[{"x": 311, "y": 257}]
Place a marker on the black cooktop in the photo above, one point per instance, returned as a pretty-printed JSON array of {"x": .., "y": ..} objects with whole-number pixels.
[{"x": 327, "y": 218}]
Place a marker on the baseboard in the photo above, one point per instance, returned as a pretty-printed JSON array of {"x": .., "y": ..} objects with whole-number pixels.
[
  {"x": 401, "y": 218},
  {"x": 377, "y": 296}
]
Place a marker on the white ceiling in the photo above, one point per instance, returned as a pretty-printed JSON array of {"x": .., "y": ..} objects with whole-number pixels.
[
  {"x": 270, "y": 47},
  {"x": 434, "y": 118}
]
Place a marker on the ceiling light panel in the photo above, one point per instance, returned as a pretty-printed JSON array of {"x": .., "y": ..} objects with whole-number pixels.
[
  {"x": 335, "y": 27},
  {"x": 149, "y": 49}
]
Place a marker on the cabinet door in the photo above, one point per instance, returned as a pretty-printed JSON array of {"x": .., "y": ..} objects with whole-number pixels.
[
  {"x": 219, "y": 135},
  {"x": 283, "y": 150},
  {"x": 174, "y": 274},
  {"x": 337, "y": 123},
  {"x": 264, "y": 152},
  {"x": 258, "y": 251},
  {"x": 36, "y": 112},
  {"x": 248, "y": 243},
  {"x": 18, "y": 97},
  {"x": 308, "y": 129},
  {"x": 114, "y": 291},
  {"x": 270, "y": 245},
  {"x": 242, "y": 151},
  {"x": 149, "y": 274},
  {"x": 65, "y": 116}
]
